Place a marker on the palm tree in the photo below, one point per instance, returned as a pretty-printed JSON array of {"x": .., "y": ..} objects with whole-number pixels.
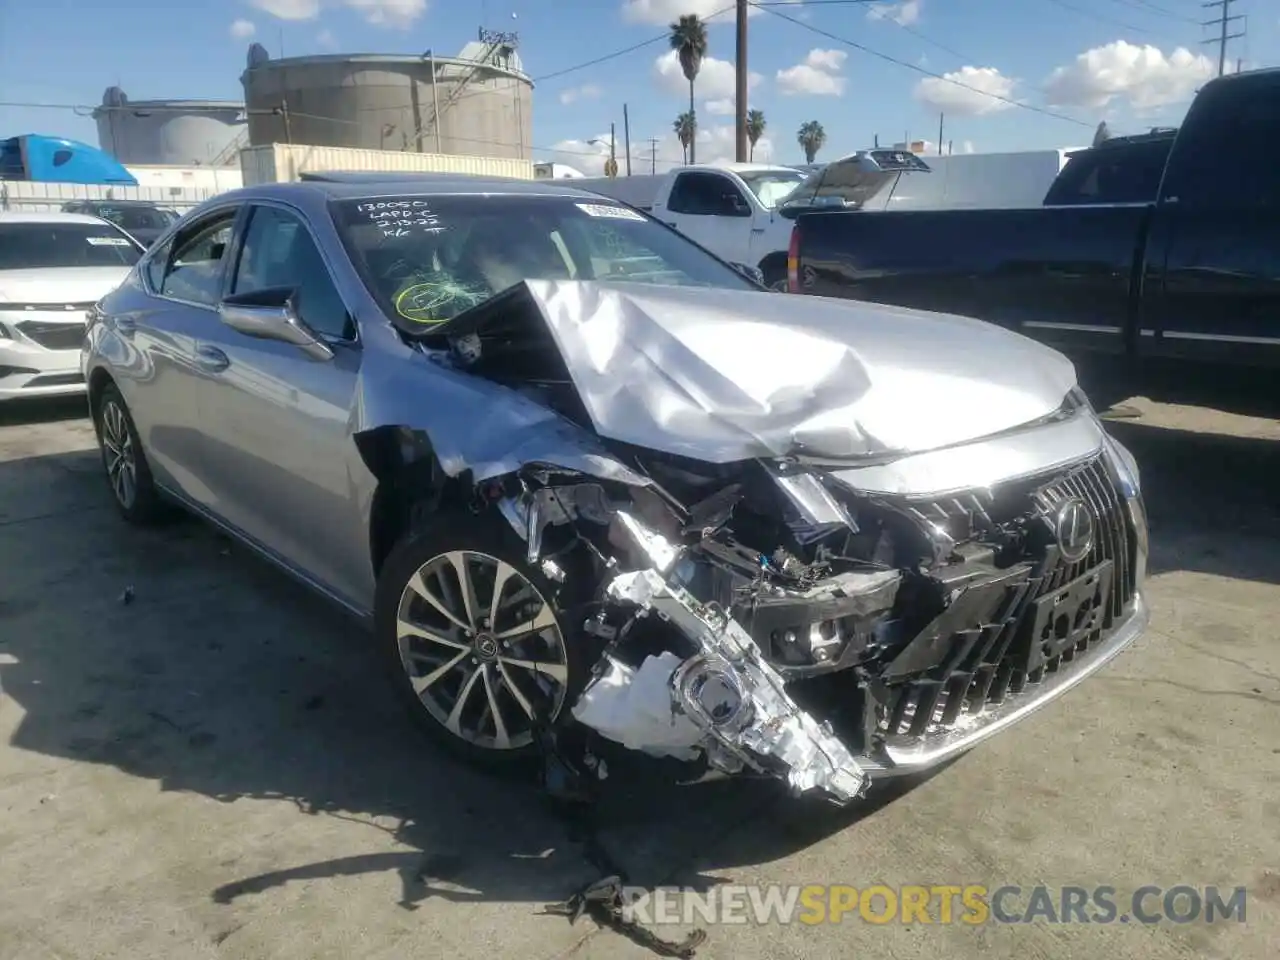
[
  {"x": 811, "y": 137},
  {"x": 689, "y": 41},
  {"x": 685, "y": 128},
  {"x": 755, "y": 129}
]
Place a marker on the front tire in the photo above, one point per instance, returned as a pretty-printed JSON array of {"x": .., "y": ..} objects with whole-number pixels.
[
  {"x": 128, "y": 474},
  {"x": 475, "y": 640}
]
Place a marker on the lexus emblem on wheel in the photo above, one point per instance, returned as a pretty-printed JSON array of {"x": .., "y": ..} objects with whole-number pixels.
[{"x": 1073, "y": 528}]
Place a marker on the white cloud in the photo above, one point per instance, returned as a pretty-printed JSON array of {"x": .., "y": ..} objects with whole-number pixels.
[
  {"x": 662, "y": 12},
  {"x": 968, "y": 147},
  {"x": 717, "y": 79},
  {"x": 289, "y": 9},
  {"x": 1141, "y": 74},
  {"x": 327, "y": 40},
  {"x": 818, "y": 75},
  {"x": 725, "y": 107},
  {"x": 393, "y": 13},
  {"x": 715, "y": 145},
  {"x": 945, "y": 93},
  {"x": 588, "y": 91},
  {"x": 903, "y": 14},
  {"x": 242, "y": 29}
]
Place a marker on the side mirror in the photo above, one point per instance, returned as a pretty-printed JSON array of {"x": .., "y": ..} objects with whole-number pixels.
[
  {"x": 735, "y": 206},
  {"x": 271, "y": 315}
]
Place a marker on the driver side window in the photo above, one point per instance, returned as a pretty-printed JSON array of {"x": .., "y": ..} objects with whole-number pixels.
[
  {"x": 706, "y": 194},
  {"x": 279, "y": 252}
]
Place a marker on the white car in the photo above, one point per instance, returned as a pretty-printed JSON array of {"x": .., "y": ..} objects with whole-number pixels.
[{"x": 53, "y": 268}]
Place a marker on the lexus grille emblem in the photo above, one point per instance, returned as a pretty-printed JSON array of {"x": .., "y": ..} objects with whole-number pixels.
[{"x": 1073, "y": 528}]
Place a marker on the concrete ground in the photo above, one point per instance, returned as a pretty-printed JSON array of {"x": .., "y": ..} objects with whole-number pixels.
[{"x": 215, "y": 769}]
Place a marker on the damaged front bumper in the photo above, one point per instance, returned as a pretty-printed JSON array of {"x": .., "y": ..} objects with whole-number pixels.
[{"x": 919, "y": 665}]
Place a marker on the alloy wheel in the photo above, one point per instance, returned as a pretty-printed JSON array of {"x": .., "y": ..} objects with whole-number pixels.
[
  {"x": 482, "y": 648},
  {"x": 119, "y": 455}
]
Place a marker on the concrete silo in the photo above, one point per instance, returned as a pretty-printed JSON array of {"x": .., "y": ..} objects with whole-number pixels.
[
  {"x": 174, "y": 132},
  {"x": 478, "y": 103}
]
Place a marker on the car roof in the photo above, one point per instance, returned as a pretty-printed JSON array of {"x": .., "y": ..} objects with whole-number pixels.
[
  {"x": 352, "y": 186},
  {"x": 96, "y": 201},
  {"x": 50, "y": 217}
]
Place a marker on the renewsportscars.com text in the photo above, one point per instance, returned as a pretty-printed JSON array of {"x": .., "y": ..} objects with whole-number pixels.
[{"x": 968, "y": 904}]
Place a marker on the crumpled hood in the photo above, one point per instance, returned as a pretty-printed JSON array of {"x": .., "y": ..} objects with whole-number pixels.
[{"x": 721, "y": 375}]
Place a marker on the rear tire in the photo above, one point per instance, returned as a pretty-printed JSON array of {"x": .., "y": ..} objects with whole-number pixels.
[
  {"x": 128, "y": 474},
  {"x": 470, "y": 678}
]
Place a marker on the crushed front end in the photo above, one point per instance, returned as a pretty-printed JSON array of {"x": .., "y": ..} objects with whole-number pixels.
[{"x": 771, "y": 617}]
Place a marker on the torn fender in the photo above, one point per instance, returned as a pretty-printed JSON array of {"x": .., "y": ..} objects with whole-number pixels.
[{"x": 473, "y": 424}]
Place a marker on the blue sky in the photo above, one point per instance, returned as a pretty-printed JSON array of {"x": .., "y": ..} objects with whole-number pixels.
[{"x": 1085, "y": 59}]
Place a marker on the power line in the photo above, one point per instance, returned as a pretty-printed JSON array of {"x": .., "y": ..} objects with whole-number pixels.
[
  {"x": 929, "y": 73},
  {"x": 1100, "y": 17},
  {"x": 1153, "y": 9}
]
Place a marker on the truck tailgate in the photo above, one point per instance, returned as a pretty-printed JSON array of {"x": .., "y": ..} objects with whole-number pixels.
[{"x": 1062, "y": 274}]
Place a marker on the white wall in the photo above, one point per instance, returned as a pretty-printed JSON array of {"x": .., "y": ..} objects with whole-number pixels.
[
  {"x": 26, "y": 196},
  {"x": 188, "y": 178}
]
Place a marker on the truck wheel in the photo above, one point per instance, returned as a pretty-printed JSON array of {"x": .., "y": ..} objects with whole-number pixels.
[
  {"x": 775, "y": 275},
  {"x": 475, "y": 639}
]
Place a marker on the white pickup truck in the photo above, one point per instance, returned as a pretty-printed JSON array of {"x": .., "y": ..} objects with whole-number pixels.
[{"x": 731, "y": 209}]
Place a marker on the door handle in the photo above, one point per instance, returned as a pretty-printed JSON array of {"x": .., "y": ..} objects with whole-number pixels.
[{"x": 211, "y": 359}]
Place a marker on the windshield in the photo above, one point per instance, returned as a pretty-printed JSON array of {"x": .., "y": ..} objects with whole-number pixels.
[
  {"x": 25, "y": 246},
  {"x": 428, "y": 259},
  {"x": 136, "y": 218},
  {"x": 773, "y": 187}
]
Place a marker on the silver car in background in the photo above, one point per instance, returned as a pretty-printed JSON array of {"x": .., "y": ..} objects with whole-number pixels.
[
  {"x": 591, "y": 486},
  {"x": 53, "y": 268}
]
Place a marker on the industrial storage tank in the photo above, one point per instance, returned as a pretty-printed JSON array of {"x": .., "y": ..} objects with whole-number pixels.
[
  {"x": 170, "y": 132},
  {"x": 478, "y": 103}
]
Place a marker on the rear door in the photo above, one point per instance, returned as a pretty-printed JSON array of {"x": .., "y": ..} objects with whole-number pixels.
[
  {"x": 276, "y": 421},
  {"x": 711, "y": 210},
  {"x": 183, "y": 280},
  {"x": 1213, "y": 273}
]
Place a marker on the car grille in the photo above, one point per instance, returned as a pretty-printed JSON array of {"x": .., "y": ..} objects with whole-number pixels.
[
  {"x": 1003, "y": 655},
  {"x": 54, "y": 335}
]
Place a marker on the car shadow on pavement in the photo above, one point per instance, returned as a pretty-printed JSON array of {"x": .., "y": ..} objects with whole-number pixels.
[
  {"x": 1211, "y": 500},
  {"x": 44, "y": 410},
  {"x": 176, "y": 657}
]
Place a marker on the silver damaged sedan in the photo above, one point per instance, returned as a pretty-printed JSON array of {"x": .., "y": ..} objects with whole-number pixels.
[{"x": 593, "y": 488}]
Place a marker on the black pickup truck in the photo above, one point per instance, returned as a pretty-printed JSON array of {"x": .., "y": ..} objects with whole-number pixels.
[{"x": 1162, "y": 246}]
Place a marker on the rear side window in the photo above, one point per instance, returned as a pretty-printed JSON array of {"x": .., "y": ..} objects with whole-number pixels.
[
  {"x": 1224, "y": 154},
  {"x": 1127, "y": 173},
  {"x": 195, "y": 270}
]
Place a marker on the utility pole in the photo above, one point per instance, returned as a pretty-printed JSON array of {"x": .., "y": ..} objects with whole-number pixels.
[
  {"x": 940, "y": 115},
  {"x": 653, "y": 155},
  {"x": 626, "y": 136},
  {"x": 1223, "y": 22},
  {"x": 741, "y": 104}
]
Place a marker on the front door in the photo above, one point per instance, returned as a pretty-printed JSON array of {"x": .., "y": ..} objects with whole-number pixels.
[
  {"x": 276, "y": 421},
  {"x": 710, "y": 209}
]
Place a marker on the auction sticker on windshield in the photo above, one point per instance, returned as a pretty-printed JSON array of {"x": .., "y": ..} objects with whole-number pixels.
[
  {"x": 108, "y": 241},
  {"x": 605, "y": 210}
]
